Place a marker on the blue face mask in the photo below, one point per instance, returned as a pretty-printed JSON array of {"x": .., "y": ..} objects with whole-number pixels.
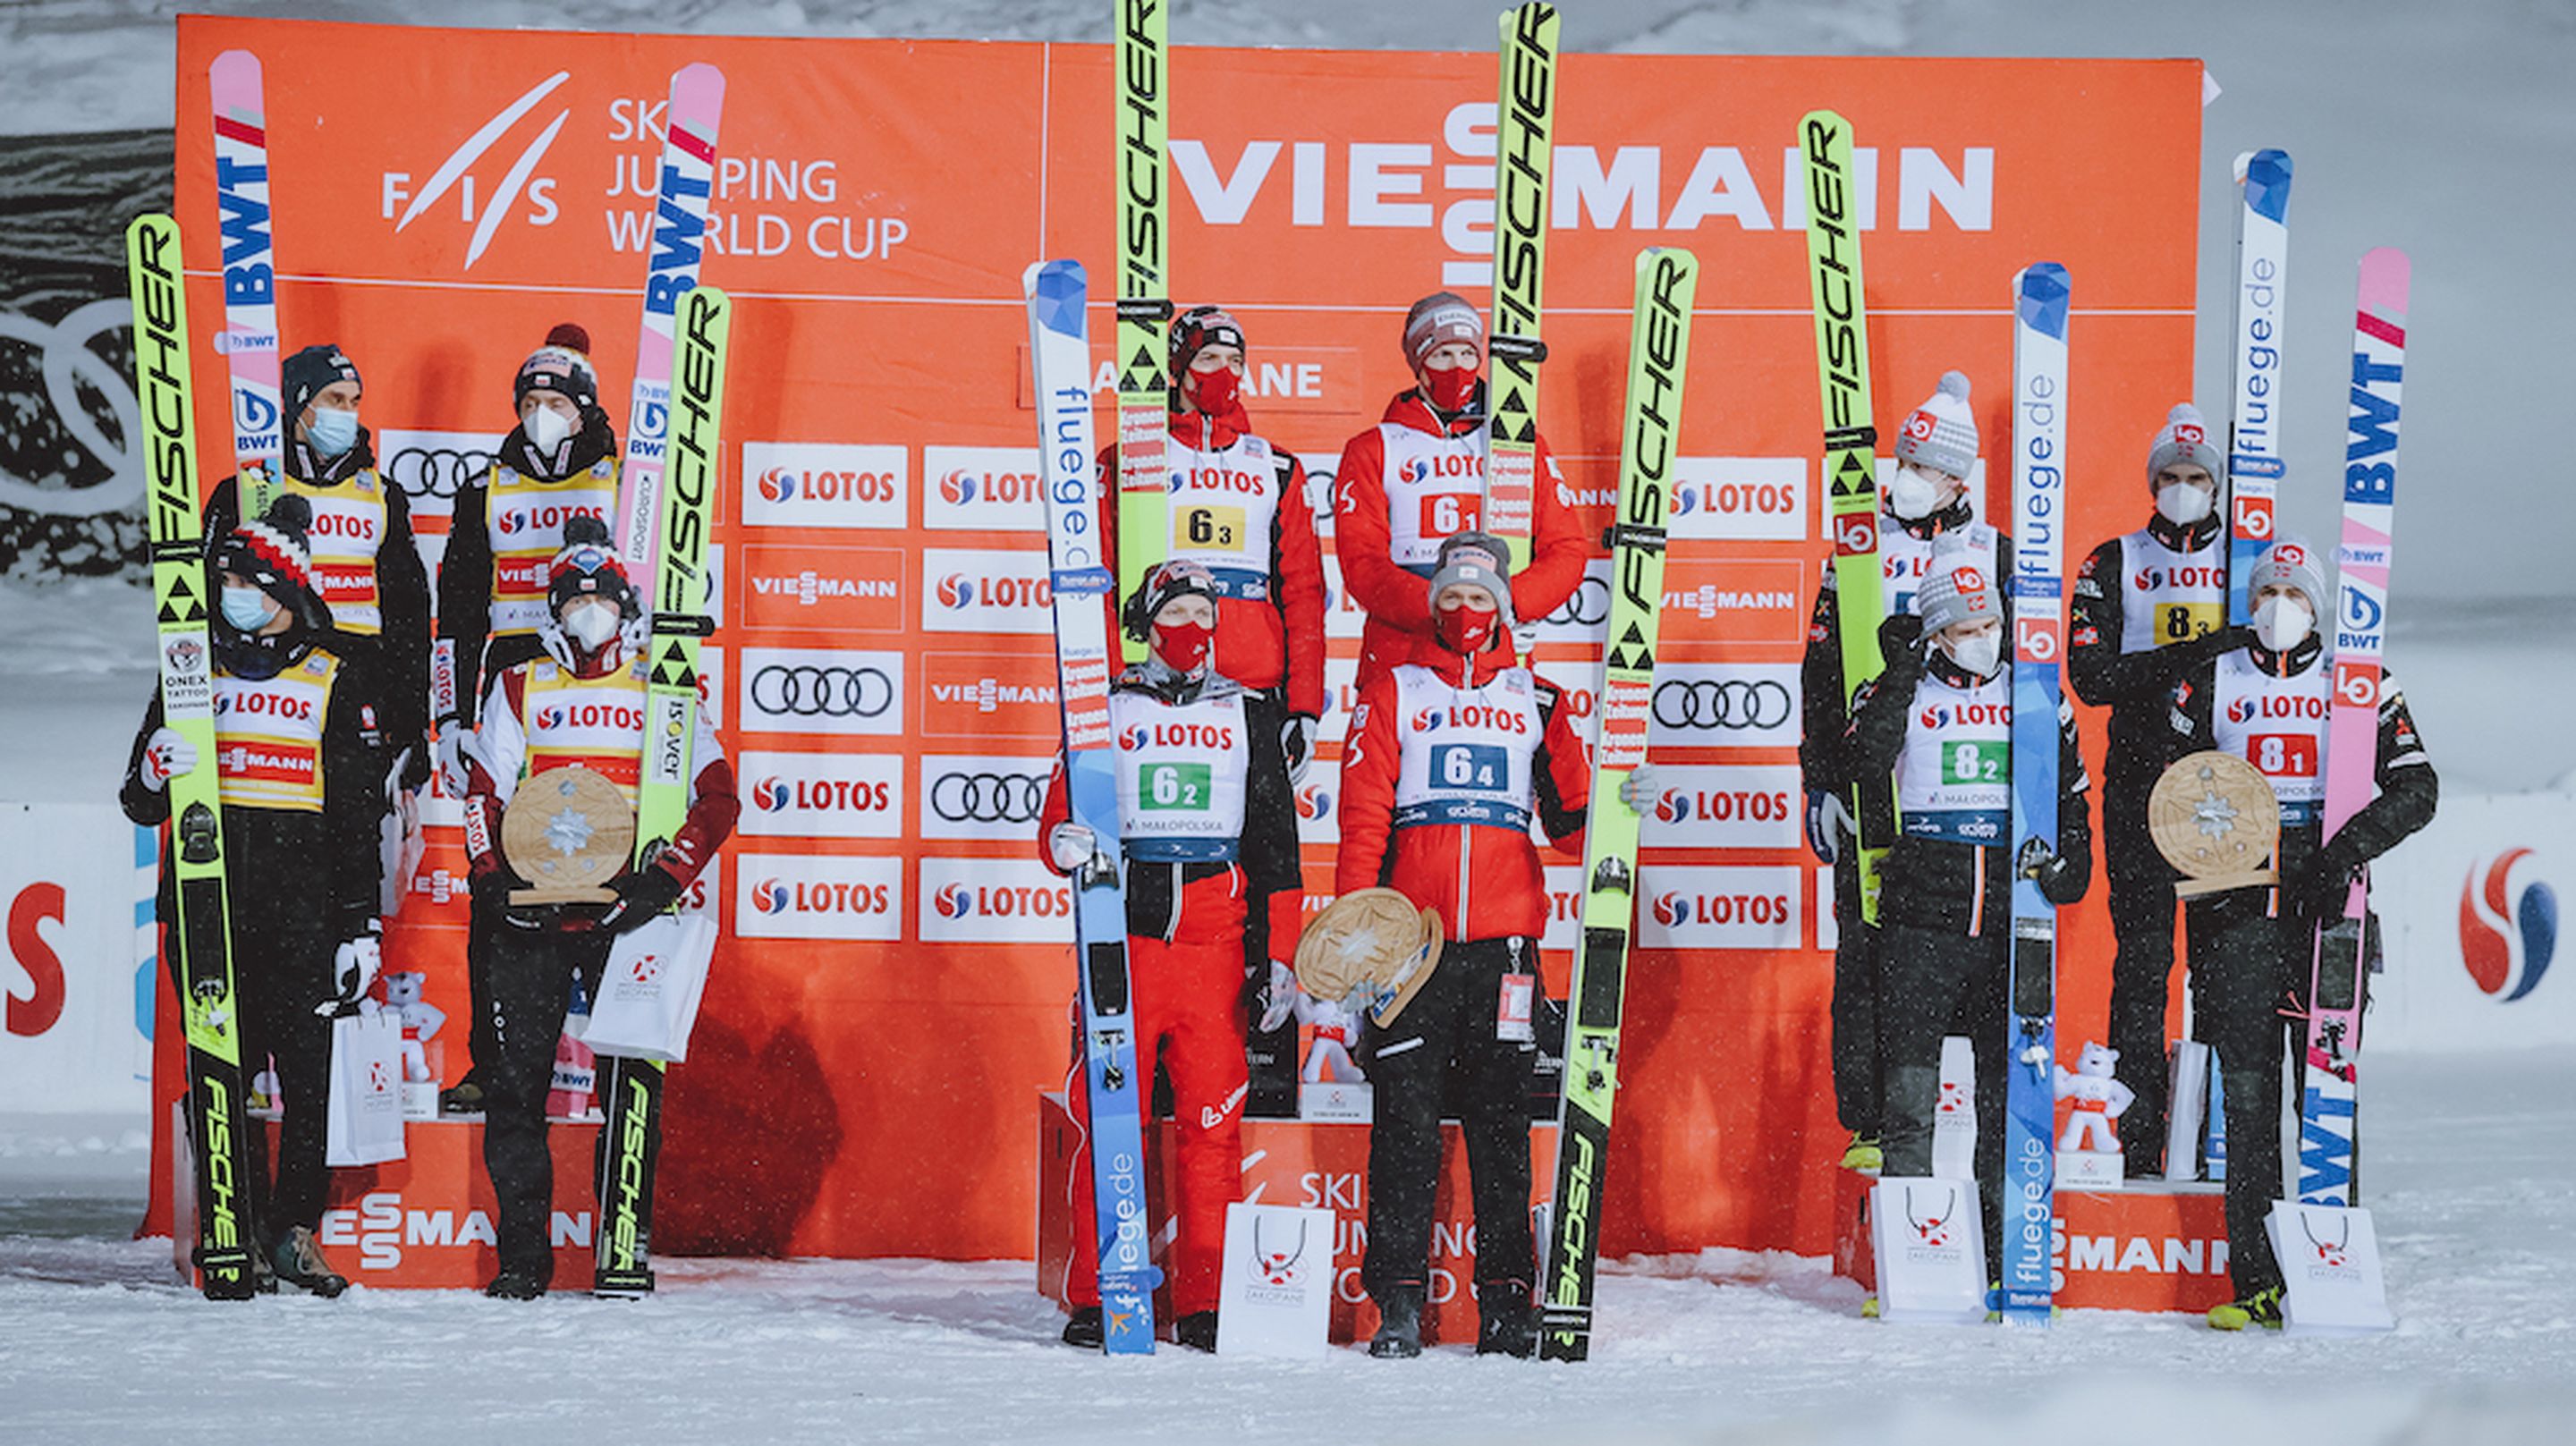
[
  {"x": 248, "y": 608},
  {"x": 332, "y": 431}
]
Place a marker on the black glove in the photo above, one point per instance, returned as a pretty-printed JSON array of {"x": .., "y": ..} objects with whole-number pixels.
[
  {"x": 2040, "y": 864},
  {"x": 415, "y": 764},
  {"x": 640, "y": 895},
  {"x": 1898, "y": 634},
  {"x": 2319, "y": 891}
]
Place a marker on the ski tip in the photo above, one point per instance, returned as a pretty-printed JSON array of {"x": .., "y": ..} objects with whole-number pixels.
[
  {"x": 2040, "y": 297},
  {"x": 1826, "y": 118},
  {"x": 236, "y": 65},
  {"x": 2265, "y": 175},
  {"x": 2386, "y": 273},
  {"x": 1057, "y": 292}
]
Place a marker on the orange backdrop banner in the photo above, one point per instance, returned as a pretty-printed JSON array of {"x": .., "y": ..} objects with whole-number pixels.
[{"x": 892, "y": 989}]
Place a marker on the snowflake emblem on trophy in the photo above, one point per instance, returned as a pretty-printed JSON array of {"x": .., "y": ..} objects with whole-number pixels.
[
  {"x": 2215, "y": 815},
  {"x": 569, "y": 830}
]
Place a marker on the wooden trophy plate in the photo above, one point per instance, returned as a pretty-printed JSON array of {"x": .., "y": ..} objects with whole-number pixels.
[
  {"x": 567, "y": 831},
  {"x": 2215, "y": 820}
]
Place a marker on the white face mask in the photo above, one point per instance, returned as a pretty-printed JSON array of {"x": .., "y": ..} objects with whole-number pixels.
[
  {"x": 1978, "y": 654},
  {"x": 547, "y": 429},
  {"x": 592, "y": 623},
  {"x": 1912, "y": 496},
  {"x": 2182, "y": 503},
  {"x": 2282, "y": 623}
]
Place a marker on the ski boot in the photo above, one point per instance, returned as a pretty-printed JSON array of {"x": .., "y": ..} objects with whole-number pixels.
[
  {"x": 515, "y": 1285},
  {"x": 1869, "y": 1308},
  {"x": 1862, "y": 1154},
  {"x": 2262, "y": 1308},
  {"x": 1197, "y": 1330},
  {"x": 1503, "y": 1321},
  {"x": 1399, "y": 1326},
  {"x": 298, "y": 1262},
  {"x": 1084, "y": 1329},
  {"x": 465, "y": 1097}
]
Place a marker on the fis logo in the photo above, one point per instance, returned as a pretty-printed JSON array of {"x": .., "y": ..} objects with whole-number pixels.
[
  {"x": 2508, "y": 925},
  {"x": 454, "y": 173}
]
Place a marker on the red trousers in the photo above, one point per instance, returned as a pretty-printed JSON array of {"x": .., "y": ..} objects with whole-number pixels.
[{"x": 1189, "y": 1015}]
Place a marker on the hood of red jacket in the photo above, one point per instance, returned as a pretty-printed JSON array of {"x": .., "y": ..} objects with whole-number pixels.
[
  {"x": 1211, "y": 431},
  {"x": 1468, "y": 672},
  {"x": 1409, "y": 408}
]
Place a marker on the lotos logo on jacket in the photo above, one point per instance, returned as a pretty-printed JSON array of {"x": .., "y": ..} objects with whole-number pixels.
[
  {"x": 1314, "y": 801},
  {"x": 1427, "y": 720},
  {"x": 1219, "y": 479},
  {"x": 1966, "y": 715},
  {"x": 551, "y": 716},
  {"x": 2275, "y": 705},
  {"x": 2508, "y": 925}
]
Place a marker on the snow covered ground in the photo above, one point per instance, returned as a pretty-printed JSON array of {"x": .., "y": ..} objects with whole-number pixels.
[{"x": 2471, "y": 1170}]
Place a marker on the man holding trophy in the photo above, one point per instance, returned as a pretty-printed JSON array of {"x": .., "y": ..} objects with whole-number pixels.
[{"x": 552, "y": 772}]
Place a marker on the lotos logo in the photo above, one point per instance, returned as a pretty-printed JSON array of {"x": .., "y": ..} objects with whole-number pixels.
[
  {"x": 2200, "y": 576},
  {"x": 1218, "y": 479},
  {"x": 1967, "y": 715},
  {"x": 1314, "y": 801},
  {"x": 776, "y": 485},
  {"x": 1428, "y": 720},
  {"x": 2275, "y": 705},
  {"x": 2508, "y": 925},
  {"x": 1672, "y": 909},
  {"x": 772, "y": 794},
  {"x": 551, "y": 716},
  {"x": 959, "y": 486},
  {"x": 956, "y": 591},
  {"x": 342, "y": 524},
  {"x": 954, "y": 901},
  {"x": 1213, "y": 736},
  {"x": 770, "y": 896}
]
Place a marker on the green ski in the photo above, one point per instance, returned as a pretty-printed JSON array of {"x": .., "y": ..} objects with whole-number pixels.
[
  {"x": 631, "y": 1092},
  {"x": 1524, "y": 146},
  {"x": 1144, "y": 297},
  {"x": 1658, "y": 358},
  {"x": 201, "y": 934},
  {"x": 1851, "y": 449}
]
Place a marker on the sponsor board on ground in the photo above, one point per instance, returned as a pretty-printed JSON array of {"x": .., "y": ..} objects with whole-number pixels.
[
  {"x": 818, "y": 896},
  {"x": 826, "y": 484},
  {"x": 822, "y": 690},
  {"x": 821, "y": 795},
  {"x": 994, "y": 901}
]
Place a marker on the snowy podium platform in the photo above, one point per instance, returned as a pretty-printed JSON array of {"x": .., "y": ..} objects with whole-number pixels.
[
  {"x": 1295, "y": 1162},
  {"x": 2151, "y": 1246},
  {"x": 425, "y": 1222}
]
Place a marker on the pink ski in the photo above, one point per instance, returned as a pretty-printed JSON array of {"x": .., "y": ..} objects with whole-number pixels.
[
  {"x": 250, "y": 273},
  {"x": 676, "y": 251}
]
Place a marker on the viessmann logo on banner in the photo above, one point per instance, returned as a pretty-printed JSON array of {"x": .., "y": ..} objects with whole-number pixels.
[
  {"x": 822, "y": 690},
  {"x": 987, "y": 590},
  {"x": 818, "y": 896},
  {"x": 1682, "y": 906},
  {"x": 966, "y": 797},
  {"x": 826, "y": 484},
  {"x": 994, "y": 901},
  {"x": 821, "y": 795},
  {"x": 982, "y": 489}
]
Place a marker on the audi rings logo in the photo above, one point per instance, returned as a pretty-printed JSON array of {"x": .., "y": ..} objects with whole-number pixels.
[
  {"x": 1729, "y": 704},
  {"x": 988, "y": 797},
  {"x": 808, "y": 691},
  {"x": 1589, "y": 607},
  {"x": 425, "y": 471}
]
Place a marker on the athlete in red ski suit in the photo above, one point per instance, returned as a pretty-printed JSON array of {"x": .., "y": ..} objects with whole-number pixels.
[
  {"x": 1187, "y": 925},
  {"x": 1418, "y": 476}
]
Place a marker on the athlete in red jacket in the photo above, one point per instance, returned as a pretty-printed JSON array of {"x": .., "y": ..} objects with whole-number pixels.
[
  {"x": 1452, "y": 751},
  {"x": 1210, "y": 837},
  {"x": 1418, "y": 476}
]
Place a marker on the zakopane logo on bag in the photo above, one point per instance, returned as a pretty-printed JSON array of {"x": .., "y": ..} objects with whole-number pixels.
[
  {"x": 990, "y": 590},
  {"x": 2508, "y": 924},
  {"x": 822, "y": 795},
  {"x": 456, "y": 177},
  {"x": 994, "y": 901},
  {"x": 826, "y": 484},
  {"x": 818, "y": 896},
  {"x": 983, "y": 489}
]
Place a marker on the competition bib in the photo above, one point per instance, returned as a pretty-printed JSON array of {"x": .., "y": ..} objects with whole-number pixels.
[
  {"x": 2278, "y": 725},
  {"x": 525, "y": 518},
  {"x": 1222, "y": 505},
  {"x": 1954, "y": 779},
  {"x": 348, "y": 529},
  {"x": 1465, "y": 753},
  {"x": 268, "y": 735},
  {"x": 1904, "y": 559},
  {"x": 1181, "y": 772},
  {"x": 2168, "y": 596},
  {"x": 593, "y": 723},
  {"x": 1435, "y": 489}
]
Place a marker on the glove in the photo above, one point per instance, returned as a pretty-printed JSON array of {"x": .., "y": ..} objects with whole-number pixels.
[
  {"x": 1829, "y": 824},
  {"x": 640, "y": 896},
  {"x": 1898, "y": 634},
  {"x": 353, "y": 968},
  {"x": 165, "y": 757},
  {"x": 2040, "y": 864},
  {"x": 1280, "y": 999},
  {"x": 1071, "y": 847},
  {"x": 2319, "y": 892},
  {"x": 451, "y": 763},
  {"x": 410, "y": 768},
  {"x": 1297, "y": 741},
  {"x": 1641, "y": 788}
]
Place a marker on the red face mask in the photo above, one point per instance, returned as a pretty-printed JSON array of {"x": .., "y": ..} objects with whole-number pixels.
[
  {"x": 1465, "y": 629},
  {"x": 1214, "y": 392},
  {"x": 1450, "y": 389},
  {"x": 1184, "y": 646}
]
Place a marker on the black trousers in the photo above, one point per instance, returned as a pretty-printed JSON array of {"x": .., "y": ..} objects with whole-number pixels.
[
  {"x": 1446, "y": 1037},
  {"x": 2142, "y": 923},
  {"x": 282, "y": 958},
  {"x": 482, "y": 926},
  {"x": 1860, "y": 1081},
  {"x": 523, "y": 1002},
  {"x": 1934, "y": 984}
]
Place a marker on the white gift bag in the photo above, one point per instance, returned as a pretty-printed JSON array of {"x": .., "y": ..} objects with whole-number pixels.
[
  {"x": 366, "y": 1110},
  {"x": 648, "y": 995}
]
